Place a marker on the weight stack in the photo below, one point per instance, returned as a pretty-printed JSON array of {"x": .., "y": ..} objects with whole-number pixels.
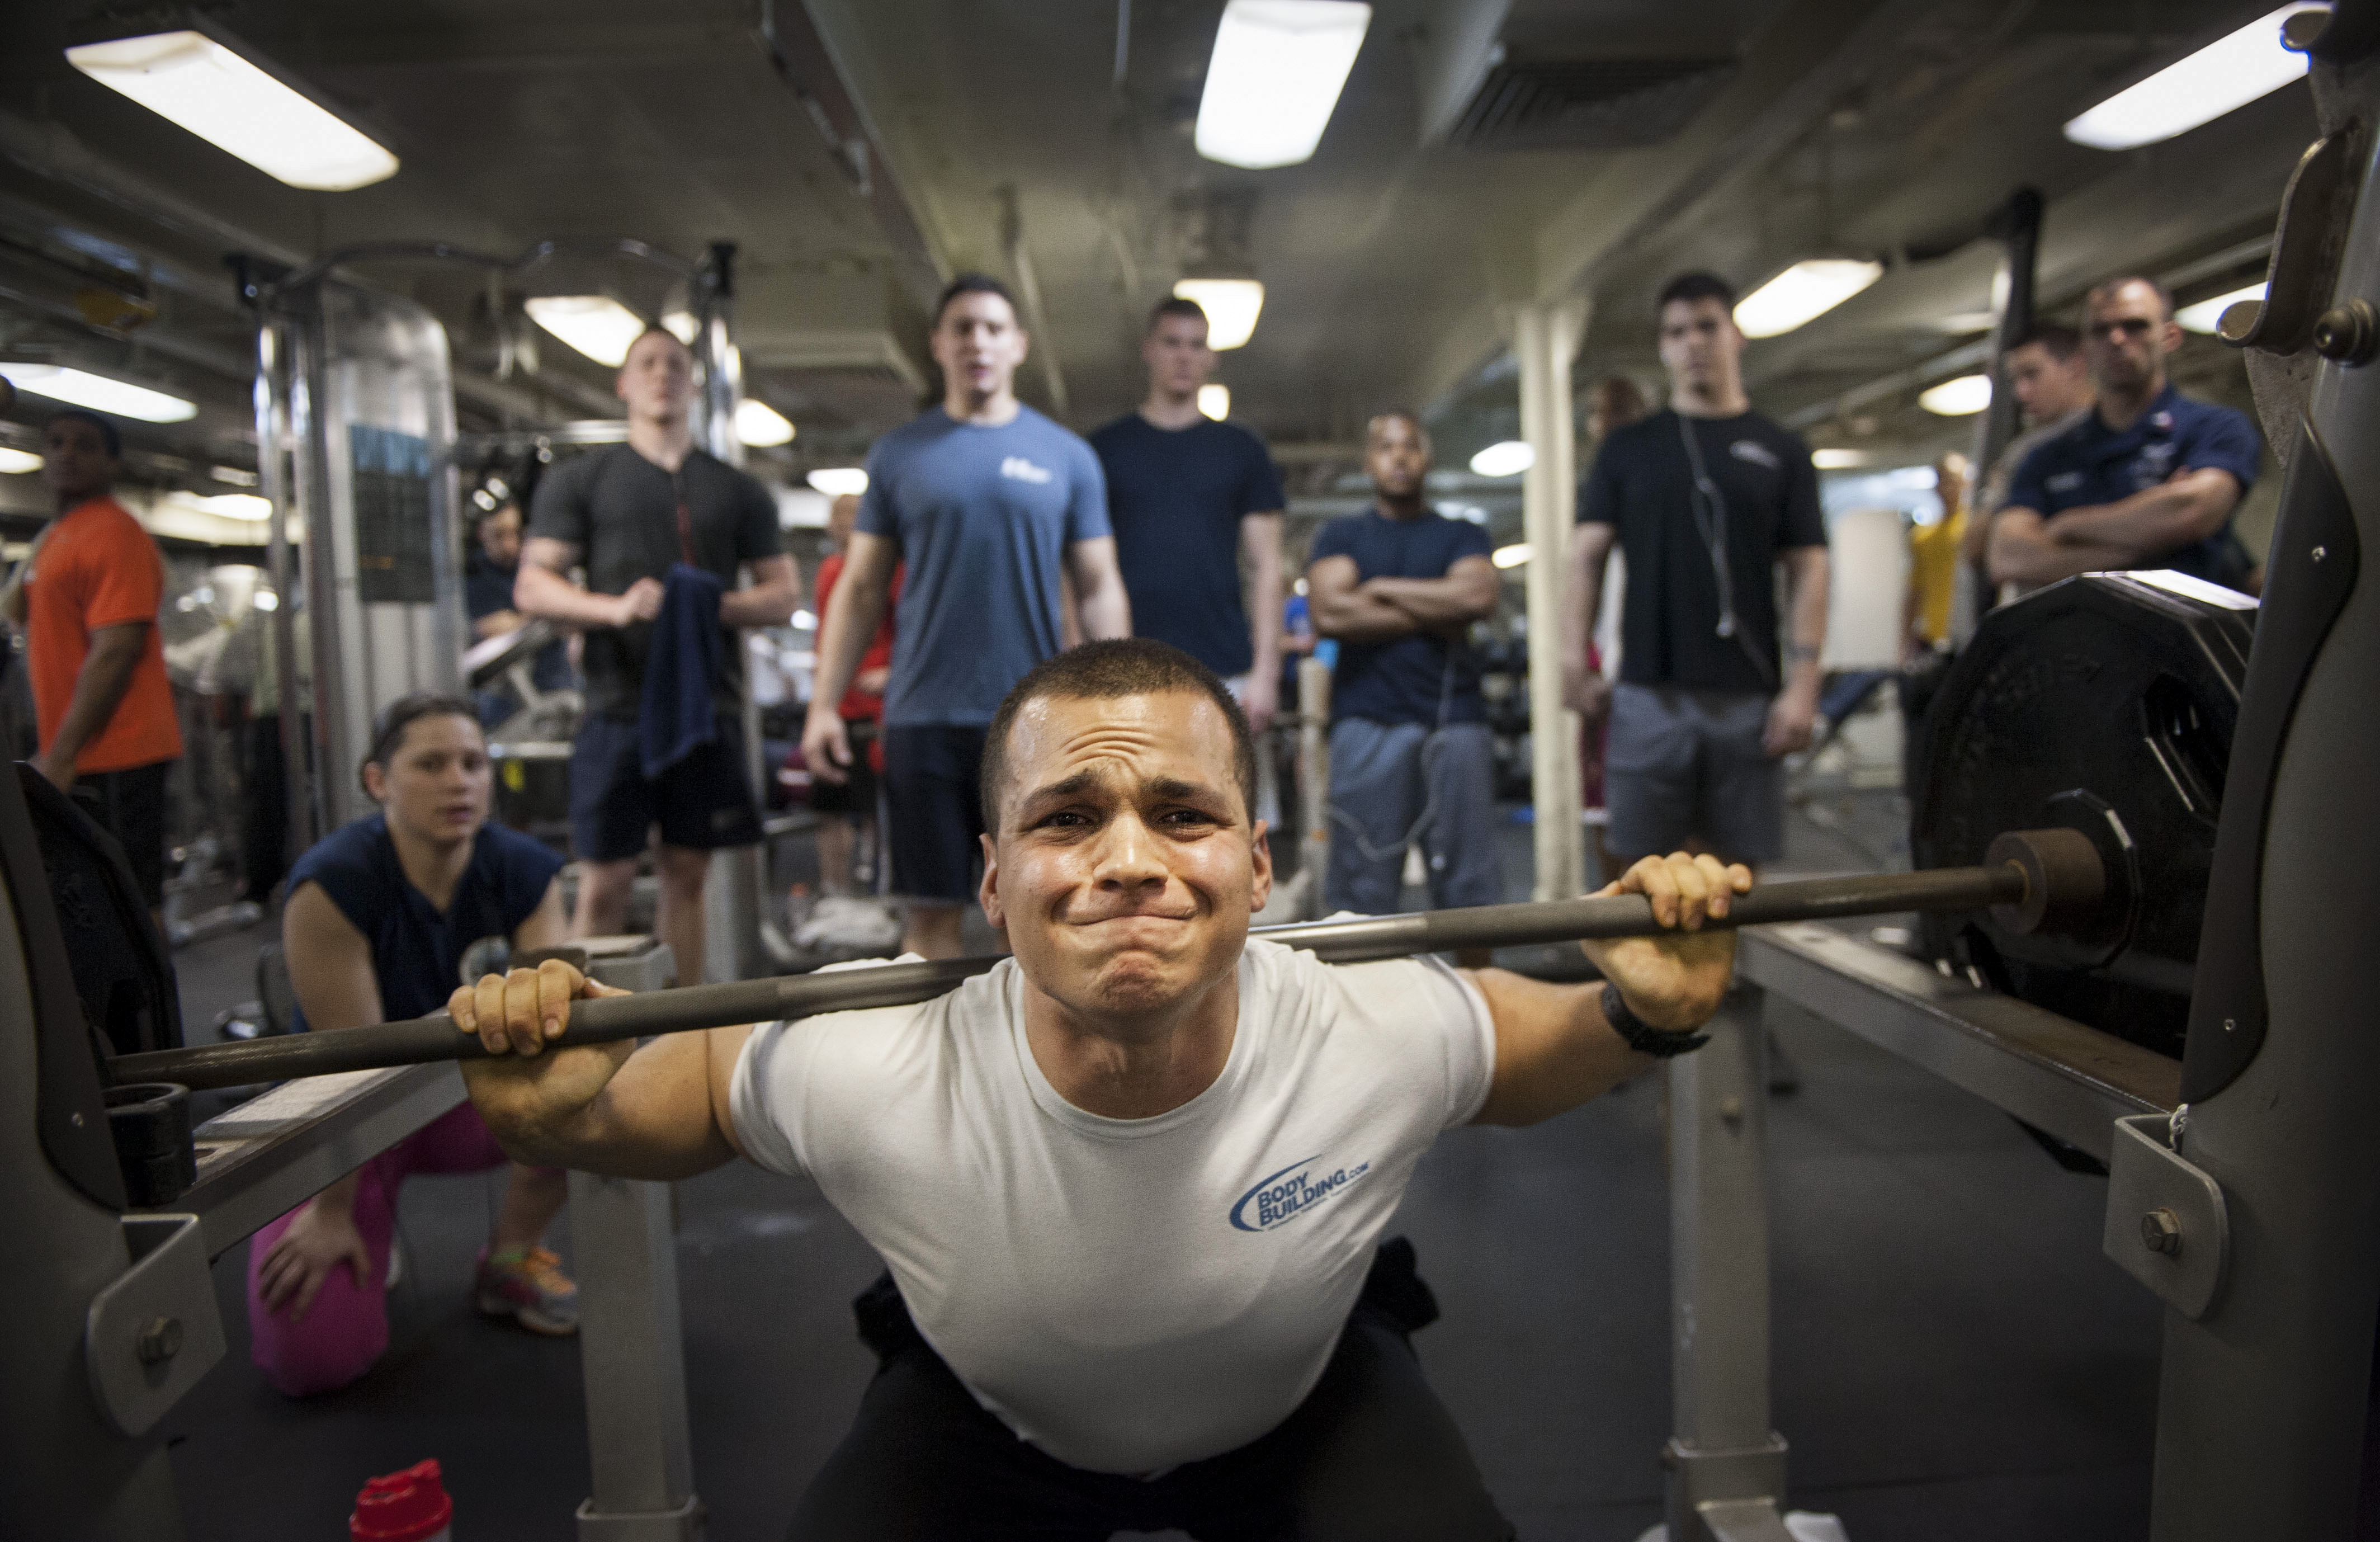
[{"x": 2104, "y": 703}]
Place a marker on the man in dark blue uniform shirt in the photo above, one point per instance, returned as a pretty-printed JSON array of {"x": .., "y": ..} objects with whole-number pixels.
[
  {"x": 1398, "y": 587},
  {"x": 2147, "y": 479},
  {"x": 1187, "y": 495}
]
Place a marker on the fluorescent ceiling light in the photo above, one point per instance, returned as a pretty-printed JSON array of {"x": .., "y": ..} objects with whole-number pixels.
[
  {"x": 17, "y": 463},
  {"x": 682, "y": 325},
  {"x": 265, "y": 600},
  {"x": 199, "y": 81},
  {"x": 235, "y": 475},
  {"x": 1215, "y": 401},
  {"x": 1508, "y": 458},
  {"x": 805, "y": 621},
  {"x": 1802, "y": 293},
  {"x": 836, "y": 481},
  {"x": 597, "y": 325},
  {"x": 238, "y": 505},
  {"x": 1232, "y": 305},
  {"x": 761, "y": 426},
  {"x": 98, "y": 393},
  {"x": 1274, "y": 77},
  {"x": 2207, "y": 315},
  {"x": 1511, "y": 556},
  {"x": 2226, "y": 74},
  {"x": 1962, "y": 397},
  {"x": 1838, "y": 460}
]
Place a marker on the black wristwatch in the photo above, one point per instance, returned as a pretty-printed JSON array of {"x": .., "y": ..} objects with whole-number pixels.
[{"x": 1641, "y": 1036}]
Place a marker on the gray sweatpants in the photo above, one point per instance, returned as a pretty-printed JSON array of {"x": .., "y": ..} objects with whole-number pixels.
[{"x": 1383, "y": 776}]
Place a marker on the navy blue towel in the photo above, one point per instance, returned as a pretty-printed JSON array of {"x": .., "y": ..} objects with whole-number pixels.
[{"x": 680, "y": 666}]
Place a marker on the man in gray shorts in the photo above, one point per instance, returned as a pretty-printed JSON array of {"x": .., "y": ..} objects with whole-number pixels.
[{"x": 1705, "y": 498}]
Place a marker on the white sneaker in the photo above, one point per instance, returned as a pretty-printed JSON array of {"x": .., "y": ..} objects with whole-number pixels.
[{"x": 848, "y": 922}]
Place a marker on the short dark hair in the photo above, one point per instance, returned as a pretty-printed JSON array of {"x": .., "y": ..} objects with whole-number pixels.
[
  {"x": 2061, "y": 341},
  {"x": 1695, "y": 286},
  {"x": 1102, "y": 672},
  {"x": 650, "y": 328},
  {"x": 108, "y": 433},
  {"x": 1175, "y": 305},
  {"x": 388, "y": 730},
  {"x": 2107, "y": 291},
  {"x": 972, "y": 284}
]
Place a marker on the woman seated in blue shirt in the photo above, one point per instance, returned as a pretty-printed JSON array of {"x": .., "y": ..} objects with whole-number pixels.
[{"x": 379, "y": 916}]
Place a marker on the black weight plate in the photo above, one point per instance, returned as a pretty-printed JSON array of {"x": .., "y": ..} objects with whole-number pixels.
[{"x": 2105, "y": 704}]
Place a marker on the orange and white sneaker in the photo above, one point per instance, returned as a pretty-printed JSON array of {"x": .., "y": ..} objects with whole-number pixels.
[{"x": 527, "y": 1284}]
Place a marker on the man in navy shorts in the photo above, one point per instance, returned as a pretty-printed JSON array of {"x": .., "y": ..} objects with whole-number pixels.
[
  {"x": 2147, "y": 479},
  {"x": 989, "y": 504},
  {"x": 630, "y": 515}
]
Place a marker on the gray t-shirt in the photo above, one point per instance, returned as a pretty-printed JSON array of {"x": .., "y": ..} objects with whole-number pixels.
[
  {"x": 983, "y": 517},
  {"x": 630, "y": 520}
]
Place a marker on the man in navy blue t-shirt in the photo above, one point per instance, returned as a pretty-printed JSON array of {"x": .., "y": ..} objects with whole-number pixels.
[
  {"x": 2147, "y": 479},
  {"x": 1399, "y": 586},
  {"x": 1188, "y": 495},
  {"x": 990, "y": 503}
]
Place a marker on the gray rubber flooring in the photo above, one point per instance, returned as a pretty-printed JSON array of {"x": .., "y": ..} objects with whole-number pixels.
[{"x": 1954, "y": 1361}]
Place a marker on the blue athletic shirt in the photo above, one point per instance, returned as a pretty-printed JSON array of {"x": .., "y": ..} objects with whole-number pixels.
[
  {"x": 2090, "y": 464},
  {"x": 1408, "y": 679},
  {"x": 983, "y": 516},
  {"x": 417, "y": 951},
  {"x": 1176, "y": 497}
]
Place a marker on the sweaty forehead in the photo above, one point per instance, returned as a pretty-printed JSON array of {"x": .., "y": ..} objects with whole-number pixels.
[{"x": 1158, "y": 736}]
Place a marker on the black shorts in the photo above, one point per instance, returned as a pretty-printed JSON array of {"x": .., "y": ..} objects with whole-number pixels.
[
  {"x": 1371, "y": 1453},
  {"x": 703, "y": 802},
  {"x": 854, "y": 796},
  {"x": 935, "y": 808},
  {"x": 130, "y": 805}
]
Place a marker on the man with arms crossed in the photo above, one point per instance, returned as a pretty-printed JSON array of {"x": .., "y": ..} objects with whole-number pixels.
[
  {"x": 1399, "y": 586},
  {"x": 629, "y": 514},
  {"x": 87, "y": 596},
  {"x": 989, "y": 504},
  {"x": 2147, "y": 479},
  {"x": 1129, "y": 1183},
  {"x": 1705, "y": 498},
  {"x": 1188, "y": 497}
]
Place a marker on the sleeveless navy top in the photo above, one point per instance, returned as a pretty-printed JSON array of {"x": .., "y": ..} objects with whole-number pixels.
[{"x": 417, "y": 950}]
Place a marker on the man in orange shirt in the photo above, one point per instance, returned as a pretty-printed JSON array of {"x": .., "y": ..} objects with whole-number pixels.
[{"x": 88, "y": 597}]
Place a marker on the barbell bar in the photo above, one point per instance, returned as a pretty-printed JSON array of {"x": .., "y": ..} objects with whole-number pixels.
[{"x": 2033, "y": 879}]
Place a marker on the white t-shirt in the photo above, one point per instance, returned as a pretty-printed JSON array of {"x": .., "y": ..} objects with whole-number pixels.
[{"x": 1128, "y": 1294}]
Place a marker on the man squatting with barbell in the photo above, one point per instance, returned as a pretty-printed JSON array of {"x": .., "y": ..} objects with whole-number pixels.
[{"x": 1130, "y": 1183}]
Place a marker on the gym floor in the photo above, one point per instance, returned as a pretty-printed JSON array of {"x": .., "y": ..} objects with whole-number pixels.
[{"x": 1954, "y": 1360}]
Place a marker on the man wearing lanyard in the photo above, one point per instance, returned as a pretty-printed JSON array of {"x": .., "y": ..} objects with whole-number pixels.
[
  {"x": 2148, "y": 478},
  {"x": 629, "y": 515}
]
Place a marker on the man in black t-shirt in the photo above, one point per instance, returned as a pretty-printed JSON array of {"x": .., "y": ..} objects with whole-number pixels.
[
  {"x": 1704, "y": 499},
  {"x": 630, "y": 515}
]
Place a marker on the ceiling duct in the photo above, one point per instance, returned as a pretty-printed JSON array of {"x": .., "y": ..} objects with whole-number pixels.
[{"x": 1528, "y": 103}]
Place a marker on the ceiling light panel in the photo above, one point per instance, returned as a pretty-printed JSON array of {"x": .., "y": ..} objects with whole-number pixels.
[
  {"x": 1215, "y": 401},
  {"x": 1274, "y": 77},
  {"x": 761, "y": 426},
  {"x": 597, "y": 325},
  {"x": 1962, "y": 397},
  {"x": 1506, "y": 458},
  {"x": 2207, "y": 315},
  {"x": 1802, "y": 293},
  {"x": 206, "y": 82},
  {"x": 836, "y": 481},
  {"x": 2223, "y": 77},
  {"x": 1232, "y": 305},
  {"x": 98, "y": 393},
  {"x": 17, "y": 463},
  {"x": 1511, "y": 556}
]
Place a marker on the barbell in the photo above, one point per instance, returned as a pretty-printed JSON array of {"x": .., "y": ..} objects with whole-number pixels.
[{"x": 2050, "y": 882}]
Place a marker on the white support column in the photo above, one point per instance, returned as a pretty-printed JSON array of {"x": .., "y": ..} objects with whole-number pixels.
[{"x": 1546, "y": 337}]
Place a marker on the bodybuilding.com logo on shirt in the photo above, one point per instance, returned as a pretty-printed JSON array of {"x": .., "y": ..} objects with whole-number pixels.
[
  {"x": 1024, "y": 470},
  {"x": 1292, "y": 1192}
]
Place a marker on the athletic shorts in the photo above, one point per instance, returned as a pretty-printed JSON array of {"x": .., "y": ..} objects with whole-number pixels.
[
  {"x": 934, "y": 804},
  {"x": 1681, "y": 765},
  {"x": 855, "y": 797},
  {"x": 703, "y": 802},
  {"x": 130, "y": 805}
]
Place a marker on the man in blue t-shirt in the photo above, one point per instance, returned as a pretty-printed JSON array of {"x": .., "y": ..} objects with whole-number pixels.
[
  {"x": 1398, "y": 587},
  {"x": 1188, "y": 495},
  {"x": 2147, "y": 479},
  {"x": 992, "y": 505}
]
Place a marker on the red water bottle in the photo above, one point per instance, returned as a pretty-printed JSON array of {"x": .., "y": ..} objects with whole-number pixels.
[{"x": 410, "y": 1506}]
